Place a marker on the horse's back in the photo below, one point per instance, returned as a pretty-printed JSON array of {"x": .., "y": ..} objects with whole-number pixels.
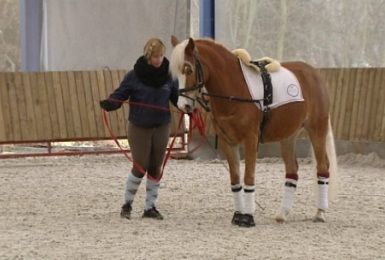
[
  {"x": 313, "y": 86},
  {"x": 314, "y": 92},
  {"x": 303, "y": 71}
]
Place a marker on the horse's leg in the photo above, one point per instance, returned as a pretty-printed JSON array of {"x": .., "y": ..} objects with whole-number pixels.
[
  {"x": 251, "y": 149},
  {"x": 232, "y": 155},
  {"x": 318, "y": 135},
  {"x": 291, "y": 169}
]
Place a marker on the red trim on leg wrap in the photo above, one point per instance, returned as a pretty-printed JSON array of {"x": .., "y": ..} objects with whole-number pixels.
[
  {"x": 292, "y": 176},
  {"x": 323, "y": 175}
]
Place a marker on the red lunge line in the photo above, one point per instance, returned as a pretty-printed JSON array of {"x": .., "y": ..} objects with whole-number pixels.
[{"x": 196, "y": 121}]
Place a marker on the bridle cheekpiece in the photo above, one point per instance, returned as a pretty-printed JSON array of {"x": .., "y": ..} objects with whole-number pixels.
[{"x": 198, "y": 86}]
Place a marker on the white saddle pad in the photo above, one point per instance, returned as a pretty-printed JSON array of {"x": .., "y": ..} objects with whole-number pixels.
[{"x": 286, "y": 87}]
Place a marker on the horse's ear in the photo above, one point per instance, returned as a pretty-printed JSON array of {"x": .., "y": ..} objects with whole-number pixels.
[
  {"x": 174, "y": 41},
  {"x": 189, "y": 50}
]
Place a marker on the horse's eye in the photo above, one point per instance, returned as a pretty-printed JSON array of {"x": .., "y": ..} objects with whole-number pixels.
[{"x": 187, "y": 69}]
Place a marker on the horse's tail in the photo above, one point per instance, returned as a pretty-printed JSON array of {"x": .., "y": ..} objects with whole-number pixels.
[{"x": 333, "y": 167}]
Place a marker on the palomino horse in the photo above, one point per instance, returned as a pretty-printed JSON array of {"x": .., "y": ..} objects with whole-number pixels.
[{"x": 205, "y": 65}]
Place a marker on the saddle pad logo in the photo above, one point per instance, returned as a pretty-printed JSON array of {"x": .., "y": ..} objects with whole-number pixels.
[{"x": 292, "y": 90}]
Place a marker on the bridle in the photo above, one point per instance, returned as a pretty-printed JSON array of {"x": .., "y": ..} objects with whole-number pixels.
[{"x": 200, "y": 86}]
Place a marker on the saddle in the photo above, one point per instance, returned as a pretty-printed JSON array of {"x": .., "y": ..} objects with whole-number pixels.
[
  {"x": 262, "y": 66},
  {"x": 270, "y": 64}
]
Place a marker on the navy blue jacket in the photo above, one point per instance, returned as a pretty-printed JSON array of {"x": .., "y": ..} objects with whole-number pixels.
[{"x": 137, "y": 92}]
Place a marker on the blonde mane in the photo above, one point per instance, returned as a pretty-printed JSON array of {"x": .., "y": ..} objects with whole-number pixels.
[{"x": 177, "y": 59}]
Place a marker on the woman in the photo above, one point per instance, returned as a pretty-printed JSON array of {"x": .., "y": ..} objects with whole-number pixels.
[{"x": 149, "y": 83}]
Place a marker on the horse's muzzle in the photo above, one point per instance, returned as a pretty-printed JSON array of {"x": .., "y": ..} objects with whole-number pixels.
[{"x": 188, "y": 109}]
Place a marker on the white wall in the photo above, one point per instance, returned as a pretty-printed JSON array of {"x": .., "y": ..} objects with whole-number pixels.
[
  {"x": 93, "y": 34},
  {"x": 327, "y": 33}
]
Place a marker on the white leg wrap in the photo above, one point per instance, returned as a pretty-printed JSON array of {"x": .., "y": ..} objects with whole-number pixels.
[
  {"x": 249, "y": 199},
  {"x": 323, "y": 189},
  {"x": 288, "y": 194},
  {"x": 132, "y": 185},
  {"x": 238, "y": 197},
  {"x": 152, "y": 188}
]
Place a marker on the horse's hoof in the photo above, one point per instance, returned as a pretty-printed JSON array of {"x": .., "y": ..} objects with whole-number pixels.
[
  {"x": 320, "y": 216},
  {"x": 246, "y": 220},
  {"x": 236, "y": 218},
  {"x": 280, "y": 219},
  {"x": 282, "y": 216}
]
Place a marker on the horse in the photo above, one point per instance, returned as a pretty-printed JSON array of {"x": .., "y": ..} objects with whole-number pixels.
[{"x": 208, "y": 71}]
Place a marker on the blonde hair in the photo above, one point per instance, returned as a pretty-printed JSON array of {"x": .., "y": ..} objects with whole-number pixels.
[{"x": 153, "y": 46}]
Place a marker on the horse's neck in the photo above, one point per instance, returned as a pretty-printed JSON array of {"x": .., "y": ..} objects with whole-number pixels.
[
  {"x": 222, "y": 88},
  {"x": 225, "y": 77},
  {"x": 222, "y": 74}
]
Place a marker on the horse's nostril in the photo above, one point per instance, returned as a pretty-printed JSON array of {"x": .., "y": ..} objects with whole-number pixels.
[{"x": 187, "y": 108}]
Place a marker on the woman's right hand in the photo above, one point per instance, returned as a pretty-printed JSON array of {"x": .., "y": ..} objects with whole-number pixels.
[{"x": 107, "y": 105}]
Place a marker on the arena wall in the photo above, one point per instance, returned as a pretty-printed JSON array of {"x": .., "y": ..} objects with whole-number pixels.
[{"x": 65, "y": 106}]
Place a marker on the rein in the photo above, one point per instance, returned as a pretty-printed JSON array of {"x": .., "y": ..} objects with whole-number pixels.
[
  {"x": 266, "y": 101},
  {"x": 234, "y": 98},
  {"x": 200, "y": 85}
]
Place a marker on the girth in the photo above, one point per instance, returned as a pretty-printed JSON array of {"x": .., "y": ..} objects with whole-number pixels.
[{"x": 267, "y": 97}]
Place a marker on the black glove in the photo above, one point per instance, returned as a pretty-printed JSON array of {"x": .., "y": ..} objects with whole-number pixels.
[{"x": 107, "y": 105}]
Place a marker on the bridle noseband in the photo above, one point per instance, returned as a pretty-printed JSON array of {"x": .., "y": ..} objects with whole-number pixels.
[{"x": 199, "y": 85}]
